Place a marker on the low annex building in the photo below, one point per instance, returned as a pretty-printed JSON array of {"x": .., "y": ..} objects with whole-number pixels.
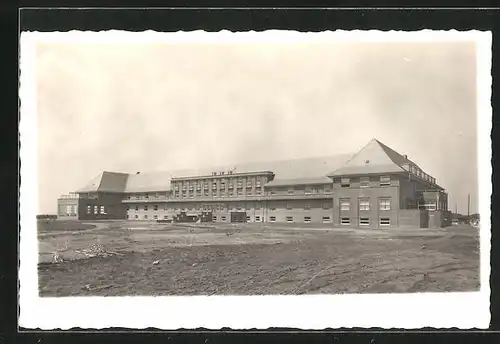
[{"x": 375, "y": 188}]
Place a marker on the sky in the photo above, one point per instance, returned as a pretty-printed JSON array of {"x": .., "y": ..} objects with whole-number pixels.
[{"x": 129, "y": 107}]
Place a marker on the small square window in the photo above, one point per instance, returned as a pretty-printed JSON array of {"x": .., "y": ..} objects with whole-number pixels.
[
  {"x": 385, "y": 221},
  {"x": 307, "y": 206},
  {"x": 257, "y": 218},
  {"x": 364, "y": 182},
  {"x": 272, "y": 218},
  {"x": 145, "y": 217},
  {"x": 223, "y": 218},
  {"x": 327, "y": 219},
  {"x": 289, "y": 206},
  {"x": 214, "y": 218},
  {"x": 165, "y": 217},
  {"x": 327, "y": 205},
  {"x": 345, "y": 221},
  {"x": 248, "y": 218},
  {"x": 289, "y": 219},
  {"x": 345, "y": 182},
  {"x": 136, "y": 216},
  {"x": 307, "y": 219},
  {"x": 155, "y": 217},
  {"x": 364, "y": 221},
  {"x": 385, "y": 181}
]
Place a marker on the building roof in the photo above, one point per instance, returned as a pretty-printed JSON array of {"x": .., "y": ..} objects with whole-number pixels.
[
  {"x": 375, "y": 157},
  {"x": 308, "y": 170},
  {"x": 106, "y": 182},
  {"x": 148, "y": 181},
  {"x": 299, "y": 181}
]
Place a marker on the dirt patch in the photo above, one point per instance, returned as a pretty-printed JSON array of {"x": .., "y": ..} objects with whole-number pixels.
[{"x": 244, "y": 260}]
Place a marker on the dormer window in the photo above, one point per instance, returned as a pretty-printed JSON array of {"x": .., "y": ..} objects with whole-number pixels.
[
  {"x": 345, "y": 182},
  {"x": 364, "y": 182},
  {"x": 385, "y": 181}
]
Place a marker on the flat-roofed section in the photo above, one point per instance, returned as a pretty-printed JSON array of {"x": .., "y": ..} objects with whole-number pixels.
[
  {"x": 299, "y": 181},
  {"x": 223, "y": 174}
]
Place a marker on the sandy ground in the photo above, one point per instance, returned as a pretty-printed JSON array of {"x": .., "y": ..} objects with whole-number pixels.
[{"x": 249, "y": 259}]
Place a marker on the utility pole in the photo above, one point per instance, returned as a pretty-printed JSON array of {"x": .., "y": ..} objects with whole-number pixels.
[
  {"x": 468, "y": 206},
  {"x": 456, "y": 212}
]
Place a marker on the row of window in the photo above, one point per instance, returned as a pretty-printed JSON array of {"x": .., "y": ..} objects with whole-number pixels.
[
  {"x": 307, "y": 206},
  {"x": 214, "y": 183},
  {"x": 306, "y": 219},
  {"x": 363, "y": 181},
  {"x": 364, "y": 204},
  {"x": 221, "y": 207},
  {"x": 68, "y": 210},
  {"x": 238, "y": 192},
  {"x": 97, "y": 209},
  {"x": 365, "y": 221}
]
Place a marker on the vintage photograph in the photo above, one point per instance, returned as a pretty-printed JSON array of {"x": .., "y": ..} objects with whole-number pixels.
[{"x": 244, "y": 168}]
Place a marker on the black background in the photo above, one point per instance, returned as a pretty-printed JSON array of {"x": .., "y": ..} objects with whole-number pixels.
[{"x": 214, "y": 19}]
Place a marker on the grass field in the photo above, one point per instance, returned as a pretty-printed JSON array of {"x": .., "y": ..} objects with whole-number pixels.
[{"x": 249, "y": 259}]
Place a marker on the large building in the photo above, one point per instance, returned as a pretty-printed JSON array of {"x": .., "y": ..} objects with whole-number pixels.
[{"x": 375, "y": 188}]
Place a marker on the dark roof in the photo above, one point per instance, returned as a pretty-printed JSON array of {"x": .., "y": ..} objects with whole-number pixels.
[{"x": 107, "y": 182}]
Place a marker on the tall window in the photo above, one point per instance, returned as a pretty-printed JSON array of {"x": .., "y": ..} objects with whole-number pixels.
[
  {"x": 307, "y": 206},
  {"x": 364, "y": 204},
  {"x": 96, "y": 210},
  {"x": 345, "y": 205},
  {"x": 156, "y": 206},
  {"x": 385, "y": 204},
  {"x": 327, "y": 205},
  {"x": 103, "y": 210},
  {"x": 289, "y": 206},
  {"x": 89, "y": 209},
  {"x": 146, "y": 208}
]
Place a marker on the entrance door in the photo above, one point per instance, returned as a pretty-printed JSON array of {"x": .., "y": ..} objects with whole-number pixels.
[{"x": 238, "y": 216}]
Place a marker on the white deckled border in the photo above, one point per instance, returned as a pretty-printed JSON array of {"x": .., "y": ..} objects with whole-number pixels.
[{"x": 410, "y": 311}]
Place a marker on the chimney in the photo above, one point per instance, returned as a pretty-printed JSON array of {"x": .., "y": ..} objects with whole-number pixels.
[{"x": 405, "y": 156}]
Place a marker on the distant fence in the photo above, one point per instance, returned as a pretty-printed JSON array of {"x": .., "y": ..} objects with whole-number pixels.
[{"x": 46, "y": 217}]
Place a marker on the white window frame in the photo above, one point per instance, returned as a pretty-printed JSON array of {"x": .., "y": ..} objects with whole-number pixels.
[
  {"x": 345, "y": 223},
  {"x": 257, "y": 218},
  {"x": 102, "y": 210},
  {"x": 272, "y": 218},
  {"x": 307, "y": 219},
  {"x": 289, "y": 219}
]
